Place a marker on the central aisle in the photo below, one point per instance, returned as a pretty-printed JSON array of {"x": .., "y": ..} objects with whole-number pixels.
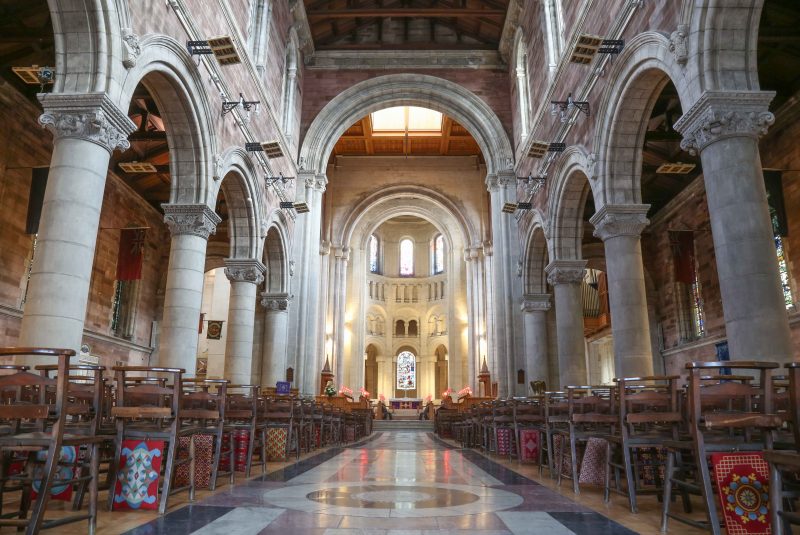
[{"x": 397, "y": 483}]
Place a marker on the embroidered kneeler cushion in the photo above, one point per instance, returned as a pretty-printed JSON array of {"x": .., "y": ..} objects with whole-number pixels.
[
  {"x": 276, "y": 444},
  {"x": 505, "y": 441},
  {"x": 529, "y": 442},
  {"x": 349, "y": 433},
  {"x": 138, "y": 474},
  {"x": 593, "y": 465},
  {"x": 64, "y": 472},
  {"x": 241, "y": 441},
  {"x": 743, "y": 483},
  {"x": 652, "y": 464},
  {"x": 566, "y": 465},
  {"x": 203, "y": 459}
]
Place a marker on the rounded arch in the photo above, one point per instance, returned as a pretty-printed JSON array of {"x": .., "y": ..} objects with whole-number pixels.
[
  {"x": 643, "y": 69},
  {"x": 243, "y": 197},
  {"x": 406, "y": 90},
  {"x": 275, "y": 260},
  {"x": 165, "y": 68},
  {"x": 536, "y": 255},
  {"x": 571, "y": 188}
]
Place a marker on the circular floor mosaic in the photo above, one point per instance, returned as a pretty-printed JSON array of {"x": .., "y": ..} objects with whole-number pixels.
[{"x": 384, "y": 500}]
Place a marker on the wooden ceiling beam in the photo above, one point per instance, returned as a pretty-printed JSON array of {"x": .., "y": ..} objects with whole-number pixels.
[{"x": 404, "y": 13}]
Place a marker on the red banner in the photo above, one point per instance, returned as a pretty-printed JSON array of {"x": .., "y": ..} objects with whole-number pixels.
[
  {"x": 131, "y": 253},
  {"x": 682, "y": 243}
]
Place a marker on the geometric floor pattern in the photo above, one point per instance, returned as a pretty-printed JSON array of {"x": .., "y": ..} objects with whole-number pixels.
[{"x": 397, "y": 483}]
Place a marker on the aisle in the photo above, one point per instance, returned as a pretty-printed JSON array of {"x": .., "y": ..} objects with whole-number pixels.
[{"x": 397, "y": 483}]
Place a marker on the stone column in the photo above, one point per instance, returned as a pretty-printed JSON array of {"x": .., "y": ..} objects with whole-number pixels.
[
  {"x": 724, "y": 128},
  {"x": 566, "y": 277},
  {"x": 342, "y": 258},
  {"x": 273, "y": 366},
  {"x": 86, "y": 129},
  {"x": 535, "y": 307},
  {"x": 502, "y": 189},
  {"x": 190, "y": 225},
  {"x": 245, "y": 275},
  {"x": 620, "y": 228}
]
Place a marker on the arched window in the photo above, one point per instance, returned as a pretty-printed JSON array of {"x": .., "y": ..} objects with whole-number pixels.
[
  {"x": 289, "y": 89},
  {"x": 258, "y": 32},
  {"x": 554, "y": 28},
  {"x": 400, "y": 328},
  {"x": 406, "y": 258},
  {"x": 523, "y": 94},
  {"x": 372, "y": 251},
  {"x": 413, "y": 330},
  {"x": 438, "y": 254},
  {"x": 406, "y": 371}
]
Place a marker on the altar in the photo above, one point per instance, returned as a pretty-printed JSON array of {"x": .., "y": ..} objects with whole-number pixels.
[{"x": 405, "y": 403}]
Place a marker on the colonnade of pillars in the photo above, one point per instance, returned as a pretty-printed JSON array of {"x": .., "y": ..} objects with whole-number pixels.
[{"x": 724, "y": 127}]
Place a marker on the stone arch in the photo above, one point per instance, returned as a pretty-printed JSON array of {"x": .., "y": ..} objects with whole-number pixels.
[
  {"x": 275, "y": 255},
  {"x": 90, "y": 43},
  {"x": 406, "y": 90},
  {"x": 165, "y": 68},
  {"x": 571, "y": 188},
  {"x": 534, "y": 279},
  {"x": 638, "y": 76},
  {"x": 243, "y": 195},
  {"x": 723, "y": 36}
]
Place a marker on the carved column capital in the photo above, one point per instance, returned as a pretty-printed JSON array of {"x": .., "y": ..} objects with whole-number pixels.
[
  {"x": 722, "y": 114},
  {"x": 194, "y": 219},
  {"x": 244, "y": 270},
  {"x": 565, "y": 272},
  {"x": 535, "y": 303},
  {"x": 472, "y": 253},
  {"x": 496, "y": 182},
  {"x": 613, "y": 220},
  {"x": 275, "y": 301},
  {"x": 89, "y": 116}
]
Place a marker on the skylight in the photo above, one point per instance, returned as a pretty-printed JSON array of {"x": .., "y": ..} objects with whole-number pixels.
[{"x": 406, "y": 119}]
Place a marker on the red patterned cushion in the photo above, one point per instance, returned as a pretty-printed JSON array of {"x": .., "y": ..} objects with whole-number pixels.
[
  {"x": 276, "y": 444},
  {"x": 743, "y": 483},
  {"x": 138, "y": 474},
  {"x": 203, "y": 459},
  {"x": 529, "y": 440}
]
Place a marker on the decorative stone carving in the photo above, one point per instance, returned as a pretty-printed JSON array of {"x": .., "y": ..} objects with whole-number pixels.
[
  {"x": 324, "y": 248},
  {"x": 519, "y": 268},
  {"x": 195, "y": 219},
  {"x": 614, "y": 220},
  {"x": 218, "y": 166},
  {"x": 565, "y": 272},
  {"x": 89, "y": 116},
  {"x": 591, "y": 166},
  {"x": 130, "y": 48},
  {"x": 535, "y": 303},
  {"x": 244, "y": 270},
  {"x": 277, "y": 302},
  {"x": 679, "y": 44},
  {"x": 291, "y": 268},
  {"x": 722, "y": 114}
]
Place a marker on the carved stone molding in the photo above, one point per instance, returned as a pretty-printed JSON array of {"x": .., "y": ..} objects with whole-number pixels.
[
  {"x": 565, "y": 272},
  {"x": 535, "y": 303},
  {"x": 194, "y": 219},
  {"x": 679, "y": 44},
  {"x": 275, "y": 301},
  {"x": 130, "y": 48},
  {"x": 244, "y": 270},
  {"x": 719, "y": 115},
  {"x": 613, "y": 220},
  {"x": 472, "y": 253},
  {"x": 342, "y": 253},
  {"x": 89, "y": 116},
  {"x": 497, "y": 181}
]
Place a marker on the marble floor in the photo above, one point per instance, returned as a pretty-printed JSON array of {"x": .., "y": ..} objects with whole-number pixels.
[{"x": 396, "y": 483}]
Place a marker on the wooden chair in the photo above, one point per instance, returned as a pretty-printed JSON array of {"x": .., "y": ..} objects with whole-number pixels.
[
  {"x": 151, "y": 410},
  {"x": 502, "y": 418},
  {"x": 648, "y": 413},
  {"x": 280, "y": 414},
  {"x": 246, "y": 411},
  {"x": 723, "y": 416},
  {"x": 37, "y": 416},
  {"x": 589, "y": 415},
  {"x": 556, "y": 417},
  {"x": 203, "y": 412},
  {"x": 529, "y": 414},
  {"x": 786, "y": 460}
]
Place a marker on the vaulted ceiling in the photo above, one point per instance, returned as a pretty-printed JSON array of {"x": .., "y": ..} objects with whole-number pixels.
[{"x": 406, "y": 24}]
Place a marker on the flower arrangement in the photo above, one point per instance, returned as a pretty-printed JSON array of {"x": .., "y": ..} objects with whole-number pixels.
[
  {"x": 381, "y": 397},
  {"x": 447, "y": 393},
  {"x": 330, "y": 390},
  {"x": 466, "y": 391},
  {"x": 345, "y": 391},
  {"x": 363, "y": 392}
]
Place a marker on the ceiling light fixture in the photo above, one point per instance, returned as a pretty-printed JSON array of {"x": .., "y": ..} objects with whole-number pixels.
[
  {"x": 564, "y": 107},
  {"x": 247, "y": 105},
  {"x": 271, "y": 180}
]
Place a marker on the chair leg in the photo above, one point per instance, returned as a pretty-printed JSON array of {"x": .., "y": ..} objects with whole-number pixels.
[
  {"x": 191, "y": 467},
  {"x": 708, "y": 493},
  {"x": 113, "y": 468},
  {"x": 607, "y": 475},
  {"x": 548, "y": 438},
  {"x": 218, "y": 437},
  {"x": 263, "y": 450},
  {"x": 250, "y": 448},
  {"x": 94, "y": 472},
  {"x": 667, "y": 495},
  {"x": 776, "y": 499},
  {"x": 561, "y": 449},
  {"x": 166, "y": 486},
  {"x": 43, "y": 496},
  {"x": 629, "y": 476},
  {"x": 573, "y": 452}
]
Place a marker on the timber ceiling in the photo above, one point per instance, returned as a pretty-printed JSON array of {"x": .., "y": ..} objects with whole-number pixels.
[
  {"x": 406, "y": 24},
  {"x": 453, "y": 140},
  {"x": 26, "y": 38},
  {"x": 779, "y": 49}
]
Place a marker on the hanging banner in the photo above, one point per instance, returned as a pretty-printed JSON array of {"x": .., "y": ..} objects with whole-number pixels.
[
  {"x": 36, "y": 198},
  {"x": 131, "y": 254},
  {"x": 682, "y": 243}
]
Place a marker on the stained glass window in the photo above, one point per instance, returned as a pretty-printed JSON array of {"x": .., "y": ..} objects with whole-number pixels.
[
  {"x": 406, "y": 258},
  {"x": 438, "y": 255},
  {"x": 372, "y": 247},
  {"x": 406, "y": 371},
  {"x": 783, "y": 270}
]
